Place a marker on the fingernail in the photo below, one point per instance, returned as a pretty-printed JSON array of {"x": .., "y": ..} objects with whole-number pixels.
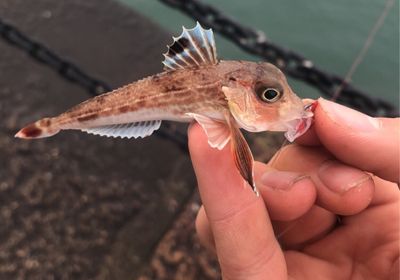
[
  {"x": 341, "y": 178},
  {"x": 349, "y": 117},
  {"x": 281, "y": 180}
]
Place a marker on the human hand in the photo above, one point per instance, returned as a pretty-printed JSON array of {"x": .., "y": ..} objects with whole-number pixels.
[{"x": 292, "y": 229}]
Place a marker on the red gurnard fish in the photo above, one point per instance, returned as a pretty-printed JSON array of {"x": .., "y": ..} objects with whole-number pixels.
[{"x": 222, "y": 96}]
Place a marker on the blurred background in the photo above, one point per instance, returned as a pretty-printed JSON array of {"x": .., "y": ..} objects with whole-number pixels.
[{"x": 77, "y": 206}]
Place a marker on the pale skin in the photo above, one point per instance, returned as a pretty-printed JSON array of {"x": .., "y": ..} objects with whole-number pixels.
[{"x": 347, "y": 165}]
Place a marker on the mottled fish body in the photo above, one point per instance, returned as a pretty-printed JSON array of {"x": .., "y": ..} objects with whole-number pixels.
[
  {"x": 222, "y": 96},
  {"x": 169, "y": 95}
]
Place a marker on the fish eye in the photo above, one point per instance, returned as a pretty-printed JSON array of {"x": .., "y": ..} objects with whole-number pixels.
[{"x": 269, "y": 95}]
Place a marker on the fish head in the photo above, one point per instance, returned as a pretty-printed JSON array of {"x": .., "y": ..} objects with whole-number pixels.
[{"x": 260, "y": 99}]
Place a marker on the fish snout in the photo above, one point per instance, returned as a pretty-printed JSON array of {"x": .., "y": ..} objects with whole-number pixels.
[{"x": 299, "y": 126}]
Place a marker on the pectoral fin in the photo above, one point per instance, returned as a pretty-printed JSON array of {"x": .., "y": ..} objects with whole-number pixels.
[
  {"x": 217, "y": 131},
  {"x": 242, "y": 154}
]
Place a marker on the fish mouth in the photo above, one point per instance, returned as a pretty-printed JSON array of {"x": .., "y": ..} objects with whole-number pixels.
[{"x": 299, "y": 126}]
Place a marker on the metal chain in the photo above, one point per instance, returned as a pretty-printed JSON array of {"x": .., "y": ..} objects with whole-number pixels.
[
  {"x": 44, "y": 55},
  {"x": 292, "y": 63},
  {"x": 74, "y": 74}
]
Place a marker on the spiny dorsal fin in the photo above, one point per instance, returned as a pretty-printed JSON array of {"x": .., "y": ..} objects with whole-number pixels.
[
  {"x": 126, "y": 130},
  {"x": 193, "y": 47}
]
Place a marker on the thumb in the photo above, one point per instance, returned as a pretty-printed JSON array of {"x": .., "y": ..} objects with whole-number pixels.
[
  {"x": 370, "y": 144},
  {"x": 243, "y": 235}
]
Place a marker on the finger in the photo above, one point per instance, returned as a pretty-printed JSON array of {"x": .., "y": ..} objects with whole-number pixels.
[
  {"x": 311, "y": 227},
  {"x": 310, "y": 138},
  {"x": 293, "y": 234},
  {"x": 203, "y": 230},
  {"x": 318, "y": 221},
  {"x": 290, "y": 198},
  {"x": 386, "y": 192},
  {"x": 309, "y": 224},
  {"x": 287, "y": 198},
  {"x": 244, "y": 238},
  {"x": 287, "y": 195},
  {"x": 342, "y": 189},
  {"x": 370, "y": 144}
]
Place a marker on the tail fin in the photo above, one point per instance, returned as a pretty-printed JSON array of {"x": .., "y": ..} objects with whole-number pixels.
[{"x": 39, "y": 129}]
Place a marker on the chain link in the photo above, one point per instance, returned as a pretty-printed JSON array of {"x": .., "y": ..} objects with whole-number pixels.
[
  {"x": 292, "y": 63},
  {"x": 44, "y": 55}
]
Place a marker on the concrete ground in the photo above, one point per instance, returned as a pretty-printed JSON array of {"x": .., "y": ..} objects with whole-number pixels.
[{"x": 78, "y": 206}]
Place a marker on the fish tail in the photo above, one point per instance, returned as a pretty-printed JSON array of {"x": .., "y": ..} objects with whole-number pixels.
[{"x": 40, "y": 129}]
